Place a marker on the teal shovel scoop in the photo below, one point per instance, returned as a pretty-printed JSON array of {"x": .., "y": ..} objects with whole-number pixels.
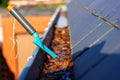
[{"x": 30, "y": 30}]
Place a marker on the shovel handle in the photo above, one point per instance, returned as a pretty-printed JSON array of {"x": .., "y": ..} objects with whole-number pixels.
[{"x": 14, "y": 11}]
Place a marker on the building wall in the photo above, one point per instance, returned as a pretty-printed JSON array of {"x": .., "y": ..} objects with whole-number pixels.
[{"x": 18, "y": 47}]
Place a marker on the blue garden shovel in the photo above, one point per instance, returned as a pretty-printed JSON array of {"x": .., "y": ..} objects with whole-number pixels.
[{"x": 30, "y": 30}]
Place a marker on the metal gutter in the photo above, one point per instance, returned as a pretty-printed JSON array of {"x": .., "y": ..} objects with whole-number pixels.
[{"x": 36, "y": 60}]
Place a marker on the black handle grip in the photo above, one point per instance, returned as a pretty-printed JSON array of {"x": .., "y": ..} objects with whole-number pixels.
[{"x": 22, "y": 20}]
